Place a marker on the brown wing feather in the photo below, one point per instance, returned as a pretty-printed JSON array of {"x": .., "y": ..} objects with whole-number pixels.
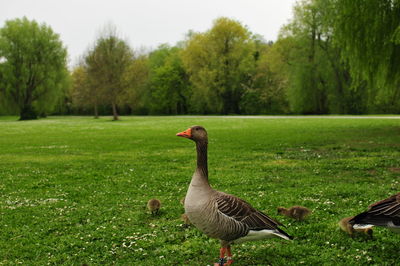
[
  {"x": 381, "y": 213},
  {"x": 389, "y": 206},
  {"x": 243, "y": 212}
]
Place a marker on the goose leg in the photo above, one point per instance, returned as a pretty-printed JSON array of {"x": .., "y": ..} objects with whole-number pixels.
[
  {"x": 222, "y": 252},
  {"x": 221, "y": 261},
  {"x": 229, "y": 253}
]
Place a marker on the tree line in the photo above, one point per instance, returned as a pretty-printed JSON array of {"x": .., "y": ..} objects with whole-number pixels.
[{"x": 332, "y": 57}]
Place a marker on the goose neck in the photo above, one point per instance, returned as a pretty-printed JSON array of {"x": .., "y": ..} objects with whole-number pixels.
[{"x": 202, "y": 164}]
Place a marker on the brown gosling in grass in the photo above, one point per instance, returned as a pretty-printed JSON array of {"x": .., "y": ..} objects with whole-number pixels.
[
  {"x": 296, "y": 212},
  {"x": 185, "y": 219},
  {"x": 154, "y": 206},
  {"x": 348, "y": 228}
]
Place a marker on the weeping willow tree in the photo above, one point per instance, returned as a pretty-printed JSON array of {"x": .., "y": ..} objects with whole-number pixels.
[
  {"x": 369, "y": 34},
  {"x": 306, "y": 62},
  {"x": 33, "y": 66}
]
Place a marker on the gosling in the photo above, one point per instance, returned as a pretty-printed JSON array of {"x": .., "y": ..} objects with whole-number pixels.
[
  {"x": 296, "y": 212},
  {"x": 154, "y": 206},
  {"x": 185, "y": 219},
  {"x": 348, "y": 228}
]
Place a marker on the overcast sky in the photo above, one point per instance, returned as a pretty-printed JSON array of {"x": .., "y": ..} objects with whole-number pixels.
[{"x": 145, "y": 23}]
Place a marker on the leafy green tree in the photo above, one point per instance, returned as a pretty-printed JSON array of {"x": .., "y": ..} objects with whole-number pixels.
[
  {"x": 63, "y": 105},
  {"x": 168, "y": 82},
  {"x": 107, "y": 64},
  {"x": 219, "y": 62},
  {"x": 306, "y": 92},
  {"x": 84, "y": 93},
  {"x": 318, "y": 78},
  {"x": 265, "y": 91},
  {"x": 137, "y": 76},
  {"x": 345, "y": 94},
  {"x": 33, "y": 67},
  {"x": 369, "y": 34}
]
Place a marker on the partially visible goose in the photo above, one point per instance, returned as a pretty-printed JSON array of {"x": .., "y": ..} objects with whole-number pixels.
[
  {"x": 220, "y": 215},
  {"x": 385, "y": 213}
]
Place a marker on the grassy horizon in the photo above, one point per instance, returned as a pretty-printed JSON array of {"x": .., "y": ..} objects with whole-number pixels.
[{"x": 73, "y": 190}]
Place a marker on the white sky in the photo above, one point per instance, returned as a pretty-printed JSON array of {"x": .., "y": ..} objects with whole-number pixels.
[{"x": 145, "y": 23}]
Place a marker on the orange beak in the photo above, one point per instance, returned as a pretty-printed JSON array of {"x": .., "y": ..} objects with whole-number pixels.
[{"x": 186, "y": 134}]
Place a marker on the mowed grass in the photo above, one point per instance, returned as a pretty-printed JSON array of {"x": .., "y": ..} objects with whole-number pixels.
[{"x": 73, "y": 190}]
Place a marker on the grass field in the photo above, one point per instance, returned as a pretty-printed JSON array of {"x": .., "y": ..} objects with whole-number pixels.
[{"x": 73, "y": 190}]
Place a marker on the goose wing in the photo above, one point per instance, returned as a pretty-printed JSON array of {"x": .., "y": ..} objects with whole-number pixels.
[
  {"x": 389, "y": 206},
  {"x": 244, "y": 213},
  {"x": 381, "y": 213}
]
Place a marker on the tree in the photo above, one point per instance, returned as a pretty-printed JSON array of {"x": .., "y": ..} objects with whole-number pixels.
[
  {"x": 218, "y": 62},
  {"x": 265, "y": 92},
  {"x": 369, "y": 34},
  {"x": 306, "y": 65},
  {"x": 34, "y": 67},
  {"x": 137, "y": 76},
  {"x": 84, "y": 91},
  {"x": 319, "y": 80},
  {"x": 107, "y": 64},
  {"x": 168, "y": 82}
]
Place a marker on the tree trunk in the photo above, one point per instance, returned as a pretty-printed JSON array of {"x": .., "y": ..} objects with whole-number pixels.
[
  {"x": 27, "y": 113},
  {"x": 114, "y": 109},
  {"x": 96, "y": 112}
]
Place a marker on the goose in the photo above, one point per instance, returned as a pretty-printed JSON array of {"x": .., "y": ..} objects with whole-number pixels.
[
  {"x": 296, "y": 212},
  {"x": 348, "y": 228},
  {"x": 220, "y": 215},
  {"x": 385, "y": 213},
  {"x": 154, "y": 206}
]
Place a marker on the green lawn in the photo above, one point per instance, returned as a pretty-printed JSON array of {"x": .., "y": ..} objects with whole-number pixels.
[{"x": 73, "y": 190}]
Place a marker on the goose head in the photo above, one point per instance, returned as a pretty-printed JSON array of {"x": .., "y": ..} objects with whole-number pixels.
[{"x": 195, "y": 133}]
